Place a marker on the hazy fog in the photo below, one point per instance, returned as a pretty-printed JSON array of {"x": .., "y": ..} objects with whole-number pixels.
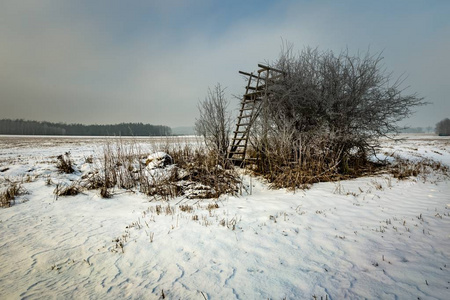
[{"x": 151, "y": 61}]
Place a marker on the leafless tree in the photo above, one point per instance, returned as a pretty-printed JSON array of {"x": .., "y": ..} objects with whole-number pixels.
[
  {"x": 443, "y": 127},
  {"x": 214, "y": 123}
]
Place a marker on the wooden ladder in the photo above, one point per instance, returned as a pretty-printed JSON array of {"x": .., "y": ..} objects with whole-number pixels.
[{"x": 251, "y": 104}]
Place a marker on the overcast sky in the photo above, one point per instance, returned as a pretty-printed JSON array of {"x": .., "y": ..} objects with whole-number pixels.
[{"x": 104, "y": 62}]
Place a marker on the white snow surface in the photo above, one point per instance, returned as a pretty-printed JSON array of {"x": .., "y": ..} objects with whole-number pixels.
[
  {"x": 372, "y": 237},
  {"x": 156, "y": 160}
]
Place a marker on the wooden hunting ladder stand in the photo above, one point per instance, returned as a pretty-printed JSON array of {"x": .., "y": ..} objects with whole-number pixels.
[{"x": 256, "y": 91}]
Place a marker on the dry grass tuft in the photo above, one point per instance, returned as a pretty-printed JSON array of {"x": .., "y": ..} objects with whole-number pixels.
[
  {"x": 212, "y": 206},
  {"x": 203, "y": 173},
  {"x": 186, "y": 208},
  {"x": 8, "y": 196},
  {"x": 67, "y": 190},
  {"x": 404, "y": 168},
  {"x": 65, "y": 164}
]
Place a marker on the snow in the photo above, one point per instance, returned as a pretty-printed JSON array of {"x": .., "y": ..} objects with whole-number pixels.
[
  {"x": 371, "y": 237},
  {"x": 158, "y": 160}
]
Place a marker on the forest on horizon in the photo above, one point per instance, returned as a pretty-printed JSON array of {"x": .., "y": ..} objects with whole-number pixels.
[{"x": 24, "y": 127}]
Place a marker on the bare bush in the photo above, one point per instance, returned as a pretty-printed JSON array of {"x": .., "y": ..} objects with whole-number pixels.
[
  {"x": 324, "y": 115},
  {"x": 214, "y": 123}
]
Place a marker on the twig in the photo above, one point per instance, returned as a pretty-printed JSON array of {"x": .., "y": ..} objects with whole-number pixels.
[{"x": 203, "y": 295}]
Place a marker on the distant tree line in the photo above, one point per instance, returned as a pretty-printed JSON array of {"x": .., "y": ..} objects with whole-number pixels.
[
  {"x": 443, "y": 127},
  {"x": 23, "y": 127},
  {"x": 428, "y": 129}
]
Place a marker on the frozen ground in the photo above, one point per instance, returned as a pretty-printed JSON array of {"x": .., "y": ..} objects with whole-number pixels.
[{"x": 373, "y": 237}]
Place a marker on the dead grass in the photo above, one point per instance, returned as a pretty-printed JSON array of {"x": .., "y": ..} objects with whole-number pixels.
[
  {"x": 317, "y": 164},
  {"x": 206, "y": 170},
  {"x": 64, "y": 163},
  {"x": 212, "y": 206},
  {"x": 194, "y": 173},
  {"x": 72, "y": 189},
  {"x": 186, "y": 208},
  {"x": 404, "y": 168},
  {"x": 8, "y": 196}
]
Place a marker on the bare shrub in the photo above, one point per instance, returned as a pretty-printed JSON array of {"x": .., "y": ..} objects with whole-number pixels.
[
  {"x": 214, "y": 123},
  {"x": 322, "y": 118}
]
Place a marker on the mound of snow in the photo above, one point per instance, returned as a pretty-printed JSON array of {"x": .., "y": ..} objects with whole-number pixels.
[{"x": 158, "y": 160}]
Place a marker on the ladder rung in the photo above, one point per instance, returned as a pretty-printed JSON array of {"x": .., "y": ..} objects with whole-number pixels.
[
  {"x": 267, "y": 68},
  {"x": 247, "y": 74},
  {"x": 239, "y": 139},
  {"x": 251, "y": 100},
  {"x": 238, "y": 131},
  {"x": 253, "y": 97},
  {"x": 257, "y": 88},
  {"x": 244, "y": 116},
  {"x": 235, "y": 151},
  {"x": 253, "y": 94},
  {"x": 249, "y": 108},
  {"x": 243, "y": 124}
]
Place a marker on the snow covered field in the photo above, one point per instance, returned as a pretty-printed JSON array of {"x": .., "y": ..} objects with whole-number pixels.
[{"x": 372, "y": 237}]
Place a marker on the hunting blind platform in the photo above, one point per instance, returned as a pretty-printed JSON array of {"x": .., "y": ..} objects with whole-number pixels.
[{"x": 256, "y": 93}]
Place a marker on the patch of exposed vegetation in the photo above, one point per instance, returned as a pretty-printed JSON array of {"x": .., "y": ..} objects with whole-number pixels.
[
  {"x": 65, "y": 164},
  {"x": 72, "y": 189},
  {"x": 8, "y": 195},
  {"x": 189, "y": 172}
]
